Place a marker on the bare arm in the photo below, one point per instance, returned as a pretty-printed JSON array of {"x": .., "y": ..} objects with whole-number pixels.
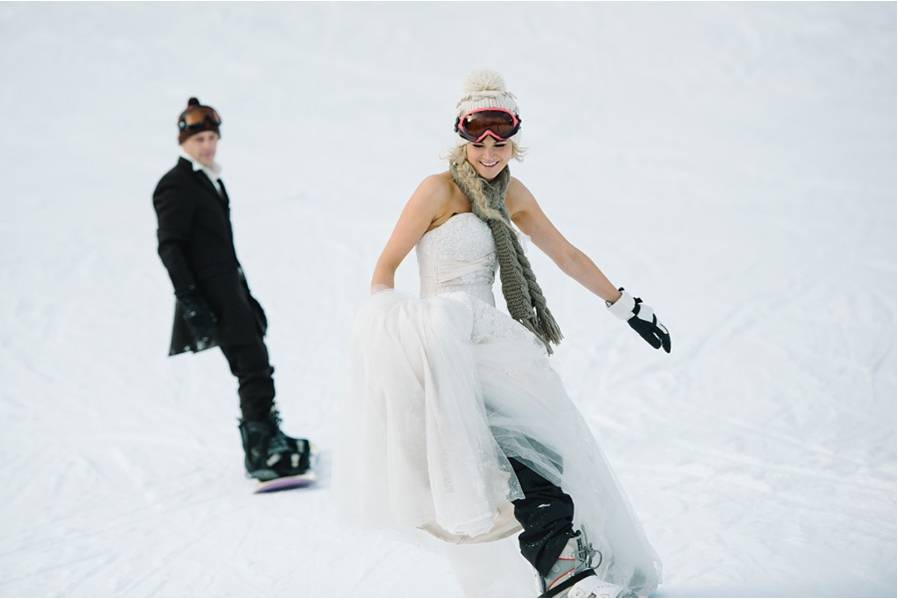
[
  {"x": 419, "y": 212},
  {"x": 529, "y": 217}
]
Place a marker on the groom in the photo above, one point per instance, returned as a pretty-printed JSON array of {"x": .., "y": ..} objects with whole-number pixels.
[{"x": 214, "y": 306}]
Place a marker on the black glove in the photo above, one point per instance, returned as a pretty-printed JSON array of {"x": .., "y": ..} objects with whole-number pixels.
[
  {"x": 641, "y": 319},
  {"x": 199, "y": 318}
]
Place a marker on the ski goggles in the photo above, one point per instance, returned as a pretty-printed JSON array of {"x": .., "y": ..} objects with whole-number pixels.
[
  {"x": 199, "y": 118},
  {"x": 498, "y": 123}
]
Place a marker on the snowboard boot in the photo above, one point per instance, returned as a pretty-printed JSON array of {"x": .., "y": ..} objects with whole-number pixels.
[
  {"x": 269, "y": 453},
  {"x": 573, "y": 574}
]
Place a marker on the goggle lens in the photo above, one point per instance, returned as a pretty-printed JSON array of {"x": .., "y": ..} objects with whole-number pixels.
[
  {"x": 475, "y": 125},
  {"x": 196, "y": 118}
]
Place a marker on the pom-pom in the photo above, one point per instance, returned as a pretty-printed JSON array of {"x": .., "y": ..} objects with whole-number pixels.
[
  {"x": 484, "y": 81},
  {"x": 193, "y": 102}
]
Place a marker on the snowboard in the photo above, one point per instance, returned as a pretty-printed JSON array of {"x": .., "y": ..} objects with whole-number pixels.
[
  {"x": 284, "y": 483},
  {"x": 297, "y": 481}
]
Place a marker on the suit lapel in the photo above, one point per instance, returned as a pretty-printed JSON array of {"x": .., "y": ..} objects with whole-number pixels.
[
  {"x": 208, "y": 185},
  {"x": 204, "y": 182}
]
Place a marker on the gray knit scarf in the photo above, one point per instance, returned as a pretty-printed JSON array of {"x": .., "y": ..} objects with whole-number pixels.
[{"x": 523, "y": 296}]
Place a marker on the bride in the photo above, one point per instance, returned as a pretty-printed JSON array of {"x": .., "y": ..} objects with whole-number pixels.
[{"x": 457, "y": 424}]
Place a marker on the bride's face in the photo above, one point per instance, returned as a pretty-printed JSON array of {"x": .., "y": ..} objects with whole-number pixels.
[{"x": 489, "y": 157}]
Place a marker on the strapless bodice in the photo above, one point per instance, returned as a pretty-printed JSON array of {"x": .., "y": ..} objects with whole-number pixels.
[{"x": 459, "y": 255}]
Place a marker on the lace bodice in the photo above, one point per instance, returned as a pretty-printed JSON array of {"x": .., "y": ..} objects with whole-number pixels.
[{"x": 459, "y": 255}]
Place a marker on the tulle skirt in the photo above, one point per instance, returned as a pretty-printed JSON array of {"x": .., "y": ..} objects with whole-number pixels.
[{"x": 444, "y": 390}]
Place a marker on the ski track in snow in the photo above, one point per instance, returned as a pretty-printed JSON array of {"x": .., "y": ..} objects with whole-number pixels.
[{"x": 743, "y": 161}]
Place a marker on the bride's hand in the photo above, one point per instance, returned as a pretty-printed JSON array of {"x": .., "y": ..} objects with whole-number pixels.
[{"x": 642, "y": 319}]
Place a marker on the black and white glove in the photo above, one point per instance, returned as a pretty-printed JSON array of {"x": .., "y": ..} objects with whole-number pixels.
[
  {"x": 199, "y": 318},
  {"x": 641, "y": 319}
]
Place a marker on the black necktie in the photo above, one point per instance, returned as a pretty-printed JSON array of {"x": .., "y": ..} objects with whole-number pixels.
[{"x": 222, "y": 191}]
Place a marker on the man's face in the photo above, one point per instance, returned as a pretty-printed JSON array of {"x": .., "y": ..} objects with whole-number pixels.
[{"x": 202, "y": 146}]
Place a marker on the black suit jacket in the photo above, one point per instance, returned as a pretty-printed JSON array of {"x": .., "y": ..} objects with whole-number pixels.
[{"x": 196, "y": 245}]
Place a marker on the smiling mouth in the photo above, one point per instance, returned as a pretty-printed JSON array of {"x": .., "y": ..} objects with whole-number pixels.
[{"x": 489, "y": 165}]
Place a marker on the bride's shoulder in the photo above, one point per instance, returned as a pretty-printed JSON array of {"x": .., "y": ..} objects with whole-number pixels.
[
  {"x": 516, "y": 187},
  {"x": 438, "y": 183},
  {"x": 517, "y": 197},
  {"x": 439, "y": 188},
  {"x": 432, "y": 195}
]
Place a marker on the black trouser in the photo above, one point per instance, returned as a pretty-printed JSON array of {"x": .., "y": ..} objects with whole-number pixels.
[
  {"x": 249, "y": 363},
  {"x": 547, "y": 515}
]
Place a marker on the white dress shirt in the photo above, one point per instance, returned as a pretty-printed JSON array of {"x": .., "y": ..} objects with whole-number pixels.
[{"x": 213, "y": 172}]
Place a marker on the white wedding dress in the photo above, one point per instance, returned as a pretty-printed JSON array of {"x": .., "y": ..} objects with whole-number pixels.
[{"x": 445, "y": 387}]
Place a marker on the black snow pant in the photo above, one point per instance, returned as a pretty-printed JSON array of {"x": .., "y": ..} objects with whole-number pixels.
[
  {"x": 249, "y": 363},
  {"x": 547, "y": 515}
]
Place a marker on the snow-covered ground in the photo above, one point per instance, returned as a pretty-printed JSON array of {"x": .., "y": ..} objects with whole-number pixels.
[{"x": 733, "y": 164}]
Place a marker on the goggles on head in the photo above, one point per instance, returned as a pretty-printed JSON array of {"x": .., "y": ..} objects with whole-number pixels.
[
  {"x": 498, "y": 123},
  {"x": 198, "y": 118}
]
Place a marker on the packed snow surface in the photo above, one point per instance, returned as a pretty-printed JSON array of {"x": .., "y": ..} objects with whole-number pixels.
[{"x": 731, "y": 164}]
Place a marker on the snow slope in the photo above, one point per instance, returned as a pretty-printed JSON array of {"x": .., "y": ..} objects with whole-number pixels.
[{"x": 733, "y": 164}]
